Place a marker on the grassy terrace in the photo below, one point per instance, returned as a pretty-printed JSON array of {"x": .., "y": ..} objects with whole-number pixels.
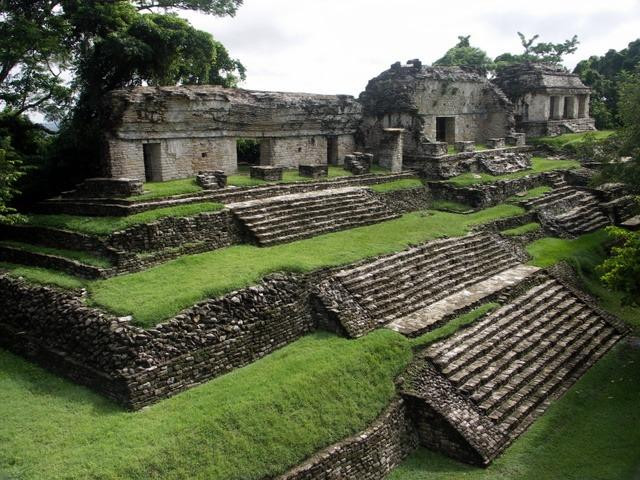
[
  {"x": 107, "y": 225},
  {"x": 538, "y": 165},
  {"x": 402, "y": 184},
  {"x": 155, "y": 190},
  {"x": 264, "y": 418},
  {"x": 150, "y": 298},
  {"x": 530, "y": 194},
  {"x": 522, "y": 229},
  {"x": 570, "y": 139},
  {"x": 80, "y": 256}
]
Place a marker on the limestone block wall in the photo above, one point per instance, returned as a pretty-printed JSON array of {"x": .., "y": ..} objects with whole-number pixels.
[
  {"x": 368, "y": 455},
  {"x": 126, "y": 159},
  {"x": 345, "y": 145},
  {"x": 289, "y": 152}
]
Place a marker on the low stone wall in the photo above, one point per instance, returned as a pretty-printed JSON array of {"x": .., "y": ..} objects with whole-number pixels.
[
  {"x": 486, "y": 194},
  {"x": 406, "y": 199},
  {"x": 136, "y": 366},
  {"x": 368, "y": 455},
  {"x": 52, "y": 237},
  {"x": 43, "y": 260},
  {"x": 218, "y": 229}
]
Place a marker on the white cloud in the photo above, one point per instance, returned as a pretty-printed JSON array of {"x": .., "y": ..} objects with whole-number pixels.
[{"x": 336, "y": 46}]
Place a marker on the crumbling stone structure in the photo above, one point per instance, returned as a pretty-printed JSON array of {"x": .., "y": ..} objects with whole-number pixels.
[
  {"x": 548, "y": 99},
  {"x": 162, "y": 133},
  {"x": 433, "y": 104}
]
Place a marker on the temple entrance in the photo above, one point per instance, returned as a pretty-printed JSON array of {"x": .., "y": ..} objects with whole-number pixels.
[
  {"x": 152, "y": 162},
  {"x": 446, "y": 129},
  {"x": 248, "y": 151},
  {"x": 332, "y": 150}
]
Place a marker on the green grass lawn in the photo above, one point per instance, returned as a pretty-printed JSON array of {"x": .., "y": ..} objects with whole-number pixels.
[
  {"x": 592, "y": 433},
  {"x": 570, "y": 139},
  {"x": 107, "y": 225},
  {"x": 522, "y": 229},
  {"x": 451, "y": 206},
  {"x": 530, "y": 194},
  {"x": 150, "y": 298},
  {"x": 43, "y": 276},
  {"x": 83, "y": 257},
  {"x": 402, "y": 184},
  {"x": 153, "y": 190},
  {"x": 242, "y": 179},
  {"x": 538, "y": 164},
  {"x": 255, "y": 421}
]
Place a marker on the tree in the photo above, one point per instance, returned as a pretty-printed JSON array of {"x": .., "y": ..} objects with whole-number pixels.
[
  {"x": 621, "y": 271},
  {"x": 464, "y": 54},
  {"x": 604, "y": 75},
  {"x": 9, "y": 174},
  {"x": 541, "y": 52}
]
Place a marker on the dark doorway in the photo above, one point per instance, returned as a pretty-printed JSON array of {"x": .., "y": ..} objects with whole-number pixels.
[
  {"x": 152, "y": 162},
  {"x": 332, "y": 150},
  {"x": 446, "y": 129},
  {"x": 248, "y": 150}
]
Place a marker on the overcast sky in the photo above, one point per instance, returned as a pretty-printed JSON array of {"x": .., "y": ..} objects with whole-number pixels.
[{"x": 336, "y": 46}]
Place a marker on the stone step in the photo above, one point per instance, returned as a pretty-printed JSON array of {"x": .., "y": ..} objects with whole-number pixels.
[
  {"x": 554, "y": 196},
  {"x": 456, "y": 343},
  {"x": 507, "y": 337},
  {"x": 436, "y": 249},
  {"x": 318, "y": 228},
  {"x": 294, "y": 199},
  {"x": 535, "y": 393},
  {"x": 549, "y": 328},
  {"x": 536, "y": 363}
]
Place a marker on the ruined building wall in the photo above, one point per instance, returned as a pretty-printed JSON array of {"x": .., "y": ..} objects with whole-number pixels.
[
  {"x": 414, "y": 96},
  {"x": 161, "y": 133}
]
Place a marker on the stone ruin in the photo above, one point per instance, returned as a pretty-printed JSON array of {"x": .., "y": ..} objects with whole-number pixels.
[
  {"x": 548, "y": 100},
  {"x": 406, "y": 116}
]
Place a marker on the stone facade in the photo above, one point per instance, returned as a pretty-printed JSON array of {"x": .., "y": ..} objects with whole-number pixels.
[
  {"x": 162, "y": 133},
  {"x": 433, "y": 104},
  {"x": 548, "y": 99}
]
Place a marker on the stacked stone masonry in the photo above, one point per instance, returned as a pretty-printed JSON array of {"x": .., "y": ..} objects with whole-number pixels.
[{"x": 503, "y": 370}]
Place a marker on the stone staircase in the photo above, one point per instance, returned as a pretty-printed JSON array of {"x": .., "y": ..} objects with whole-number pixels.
[
  {"x": 287, "y": 218},
  {"x": 567, "y": 211},
  {"x": 509, "y": 365},
  {"x": 394, "y": 286}
]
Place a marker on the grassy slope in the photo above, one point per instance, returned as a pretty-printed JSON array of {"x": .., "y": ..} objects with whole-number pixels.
[
  {"x": 522, "y": 229},
  {"x": 401, "y": 184},
  {"x": 538, "y": 164},
  {"x": 43, "y": 276},
  {"x": 106, "y": 225},
  {"x": 167, "y": 189},
  {"x": 567, "y": 139},
  {"x": 80, "y": 256},
  {"x": 254, "y": 421},
  {"x": 150, "y": 298}
]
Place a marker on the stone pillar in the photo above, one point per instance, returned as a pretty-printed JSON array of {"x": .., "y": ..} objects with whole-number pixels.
[
  {"x": 266, "y": 151},
  {"x": 571, "y": 106},
  {"x": 587, "y": 101},
  {"x": 390, "y": 149},
  {"x": 516, "y": 140},
  {"x": 557, "y": 107}
]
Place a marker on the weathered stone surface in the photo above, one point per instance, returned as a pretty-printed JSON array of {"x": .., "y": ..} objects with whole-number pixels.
[
  {"x": 465, "y": 146},
  {"x": 313, "y": 171},
  {"x": 107, "y": 188},
  {"x": 270, "y": 174},
  {"x": 211, "y": 180}
]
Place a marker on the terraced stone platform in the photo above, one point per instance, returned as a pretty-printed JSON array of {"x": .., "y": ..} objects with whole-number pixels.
[
  {"x": 287, "y": 218},
  {"x": 476, "y": 391},
  {"x": 393, "y": 287},
  {"x": 567, "y": 211}
]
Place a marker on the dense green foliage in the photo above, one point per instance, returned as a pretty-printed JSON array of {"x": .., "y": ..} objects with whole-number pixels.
[
  {"x": 463, "y": 54},
  {"x": 621, "y": 270},
  {"x": 251, "y": 423},
  {"x": 9, "y": 174},
  {"x": 106, "y": 225},
  {"x": 546, "y": 52},
  {"x": 604, "y": 75}
]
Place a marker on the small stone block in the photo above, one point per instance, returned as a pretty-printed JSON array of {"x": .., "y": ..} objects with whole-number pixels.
[
  {"x": 268, "y": 173},
  {"x": 313, "y": 171},
  {"x": 466, "y": 146},
  {"x": 495, "y": 143},
  {"x": 516, "y": 140},
  {"x": 435, "y": 149}
]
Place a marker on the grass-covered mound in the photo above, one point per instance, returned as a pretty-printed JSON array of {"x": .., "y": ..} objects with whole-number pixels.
[
  {"x": 593, "y": 432},
  {"x": 160, "y": 292},
  {"x": 570, "y": 140},
  {"x": 538, "y": 165},
  {"x": 255, "y": 421},
  {"x": 107, "y": 225}
]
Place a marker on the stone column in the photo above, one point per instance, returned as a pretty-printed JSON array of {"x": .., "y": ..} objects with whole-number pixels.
[
  {"x": 572, "y": 106},
  {"x": 587, "y": 101},
  {"x": 390, "y": 149},
  {"x": 558, "y": 107}
]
